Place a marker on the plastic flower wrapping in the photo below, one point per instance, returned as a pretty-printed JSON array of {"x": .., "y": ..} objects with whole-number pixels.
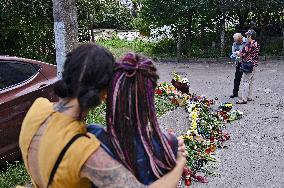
[{"x": 207, "y": 123}]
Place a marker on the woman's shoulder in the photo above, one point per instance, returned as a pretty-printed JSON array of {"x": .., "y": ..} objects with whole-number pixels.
[
  {"x": 254, "y": 43},
  {"x": 39, "y": 110},
  {"x": 41, "y": 104}
]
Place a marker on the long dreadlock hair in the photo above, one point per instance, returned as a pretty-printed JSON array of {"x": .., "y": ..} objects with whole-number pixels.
[{"x": 131, "y": 114}]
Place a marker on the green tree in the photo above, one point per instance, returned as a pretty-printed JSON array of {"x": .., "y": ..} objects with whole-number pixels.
[
  {"x": 26, "y": 29},
  {"x": 179, "y": 13},
  {"x": 107, "y": 14}
]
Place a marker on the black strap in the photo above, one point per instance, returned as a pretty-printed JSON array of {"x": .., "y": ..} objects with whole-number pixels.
[{"x": 60, "y": 157}]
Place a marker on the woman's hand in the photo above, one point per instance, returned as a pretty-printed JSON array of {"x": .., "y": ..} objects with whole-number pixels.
[
  {"x": 181, "y": 159},
  {"x": 181, "y": 146},
  {"x": 172, "y": 179},
  {"x": 182, "y": 153},
  {"x": 238, "y": 53}
]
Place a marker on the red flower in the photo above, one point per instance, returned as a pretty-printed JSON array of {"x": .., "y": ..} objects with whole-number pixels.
[
  {"x": 186, "y": 172},
  {"x": 187, "y": 181},
  {"x": 226, "y": 136},
  {"x": 201, "y": 179},
  {"x": 158, "y": 92},
  {"x": 208, "y": 151},
  {"x": 175, "y": 101}
]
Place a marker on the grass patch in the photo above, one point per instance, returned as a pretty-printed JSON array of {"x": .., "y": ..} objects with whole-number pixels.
[
  {"x": 15, "y": 174},
  {"x": 120, "y": 47}
]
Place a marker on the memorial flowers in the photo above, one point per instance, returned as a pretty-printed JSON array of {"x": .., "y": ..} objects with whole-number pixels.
[{"x": 206, "y": 132}]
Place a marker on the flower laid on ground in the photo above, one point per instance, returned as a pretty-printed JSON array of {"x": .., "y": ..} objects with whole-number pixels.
[
  {"x": 170, "y": 91},
  {"x": 205, "y": 133},
  {"x": 182, "y": 84},
  {"x": 235, "y": 115}
]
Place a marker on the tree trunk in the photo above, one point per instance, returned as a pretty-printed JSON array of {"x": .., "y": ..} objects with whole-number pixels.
[
  {"x": 283, "y": 40},
  {"x": 91, "y": 26},
  {"x": 222, "y": 36},
  {"x": 242, "y": 19},
  {"x": 282, "y": 14},
  {"x": 189, "y": 29},
  {"x": 179, "y": 43},
  {"x": 65, "y": 30}
]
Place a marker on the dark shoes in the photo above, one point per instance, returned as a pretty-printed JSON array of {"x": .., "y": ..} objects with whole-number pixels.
[
  {"x": 233, "y": 96},
  {"x": 250, "y": 99},
  {"x": 241, "y": 102}
]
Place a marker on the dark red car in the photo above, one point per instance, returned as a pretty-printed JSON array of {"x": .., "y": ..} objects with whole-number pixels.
[{"x": 21, "y": 82}]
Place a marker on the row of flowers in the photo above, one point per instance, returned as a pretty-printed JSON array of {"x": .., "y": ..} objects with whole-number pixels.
[{"x": 208, "y": 121}]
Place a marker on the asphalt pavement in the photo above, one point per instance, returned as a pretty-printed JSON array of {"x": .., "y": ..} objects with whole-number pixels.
[{"x": 255, "y": 156}]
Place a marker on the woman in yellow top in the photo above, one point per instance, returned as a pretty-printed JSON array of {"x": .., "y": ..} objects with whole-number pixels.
[{"x": 57, "y": 150}]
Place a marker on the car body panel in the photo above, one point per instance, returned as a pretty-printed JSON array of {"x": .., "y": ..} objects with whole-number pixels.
[{"x": 16, "y": 100}]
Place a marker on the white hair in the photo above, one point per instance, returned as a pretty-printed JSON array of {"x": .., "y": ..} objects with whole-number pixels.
[{"x": 237, "y": 36}]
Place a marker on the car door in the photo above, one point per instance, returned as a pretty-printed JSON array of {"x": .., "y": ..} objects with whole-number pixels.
[{"x": 20, "y": 84}]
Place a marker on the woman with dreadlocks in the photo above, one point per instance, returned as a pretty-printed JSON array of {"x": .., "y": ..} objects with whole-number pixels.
[{"x": 133, "y": 135}]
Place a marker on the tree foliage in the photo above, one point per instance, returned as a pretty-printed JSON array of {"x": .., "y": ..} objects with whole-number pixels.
[
  {"x": 207, "y": 19},
  {"x": 106, "y": 14},
  {"x": 26, "y": 29}
]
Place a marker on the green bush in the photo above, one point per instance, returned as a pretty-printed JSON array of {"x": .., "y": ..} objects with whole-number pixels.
[
  {"x": 97, "y": 115},
  {"x": 164, "y": 48},
  {"x": 272, "y": 48},
  {"x": 27, "y": 31}
]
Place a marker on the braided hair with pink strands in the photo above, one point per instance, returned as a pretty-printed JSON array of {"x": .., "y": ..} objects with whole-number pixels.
[{"x": 131, "y": 114}]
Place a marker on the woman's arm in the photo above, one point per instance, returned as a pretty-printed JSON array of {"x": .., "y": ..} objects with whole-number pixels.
[
  {"x": 171, "y": 179},
  {"x": 104, "y": 171},
  {"x": 246, "y": 49},
  {"x": 233, "y": 48}
]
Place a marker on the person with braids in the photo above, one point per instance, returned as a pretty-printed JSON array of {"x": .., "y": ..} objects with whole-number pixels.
[
  {"x": 56, "y": 148},
  {"x": 133, "y": 134}
]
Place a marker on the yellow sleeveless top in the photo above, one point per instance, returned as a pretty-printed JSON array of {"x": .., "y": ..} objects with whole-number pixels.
[{"x": 59, "y": 131}]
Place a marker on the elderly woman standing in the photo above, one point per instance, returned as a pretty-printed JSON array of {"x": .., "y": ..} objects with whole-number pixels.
[
  {"x": 249, "y": 56},
  {"x": 238, "y": 45}
]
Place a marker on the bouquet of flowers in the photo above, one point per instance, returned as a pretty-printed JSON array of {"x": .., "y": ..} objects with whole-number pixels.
[
  {"x": 205, "y": 133},
  {"x": 177, "y": 97},
  {"x": 182, "y": 84}
]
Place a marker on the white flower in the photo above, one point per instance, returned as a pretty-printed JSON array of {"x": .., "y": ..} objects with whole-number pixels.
[{"x": 185, "y": 80}]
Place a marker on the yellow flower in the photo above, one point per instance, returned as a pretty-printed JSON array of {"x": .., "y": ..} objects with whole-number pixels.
[
  {"x": 190, "y": 138},
  {"x": 194, "y": 125},
  {"x": 194, "y": 115},
  {"x": 172, "y": 88},
  {"x": 213, "y": 148},
  {"x": 229, "y": 105}
]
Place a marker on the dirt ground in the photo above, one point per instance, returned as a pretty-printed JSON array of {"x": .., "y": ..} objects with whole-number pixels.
[{"x": 255, "y": 156}]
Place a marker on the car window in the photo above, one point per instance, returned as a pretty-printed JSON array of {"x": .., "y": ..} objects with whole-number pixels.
[{"x": 13, "y": 73}]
